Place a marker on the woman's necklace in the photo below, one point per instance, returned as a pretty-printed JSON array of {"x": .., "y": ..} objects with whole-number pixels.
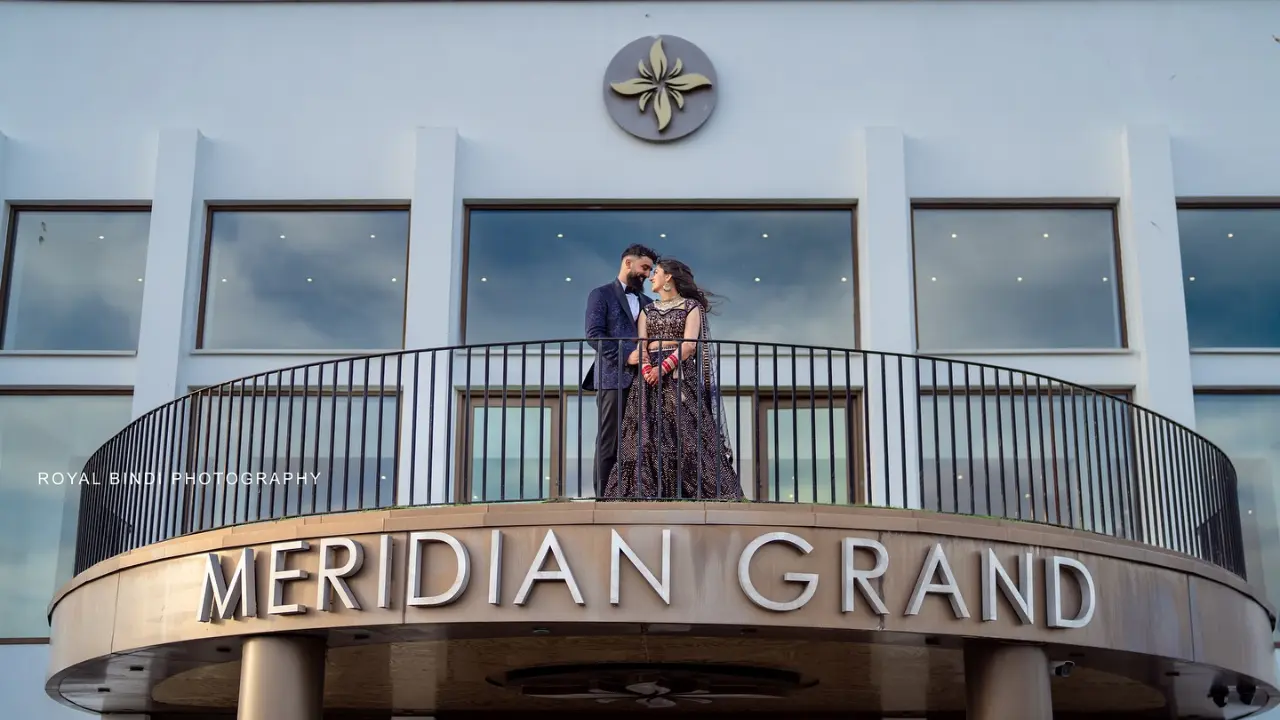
[{"x": 668, "y": 304}]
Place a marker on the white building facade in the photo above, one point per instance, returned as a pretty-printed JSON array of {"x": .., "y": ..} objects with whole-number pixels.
[{"x": 1140, "y": 133}]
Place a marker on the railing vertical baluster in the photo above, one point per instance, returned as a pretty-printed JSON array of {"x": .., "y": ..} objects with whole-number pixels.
[
  {"x": 502, "y": 431},
  {"x": 315, "y": 454},
  {"x": 831, "y": 426},
  {"x": 937, "y": 433},
  {"x": 866, "y": 423},
  {"x": 288, "y": 444},
  {"x": 1004, "y": 485},
  {"x": 968, "y": 431},
  {"x": 777, "y": 424},
  {"x": 452, "y": 488},
  {"x": 986, "y": 444},
  {"x": 920, "y": 433},
  {"x": 951, "y": 413},
  {"x": 382, "y": 397},
  {"x": 524, "y": 392},
  {"x": 1013, "y": 431},
  {"x": 1031, "y": 461},
  {"x": 1044, "y": 460}
]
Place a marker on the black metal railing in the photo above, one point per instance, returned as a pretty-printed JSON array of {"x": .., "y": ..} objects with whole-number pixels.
[{"x": 754, "y": 422}]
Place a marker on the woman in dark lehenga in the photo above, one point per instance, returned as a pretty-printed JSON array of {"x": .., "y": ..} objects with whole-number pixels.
[{"x": 672, "y": 440}]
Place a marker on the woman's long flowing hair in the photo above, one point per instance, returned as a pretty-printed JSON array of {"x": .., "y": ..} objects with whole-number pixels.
[{"x": 708, "y": 353}]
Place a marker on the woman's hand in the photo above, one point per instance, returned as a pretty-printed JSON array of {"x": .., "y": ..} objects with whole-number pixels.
[{"x": 651, "y": 375}]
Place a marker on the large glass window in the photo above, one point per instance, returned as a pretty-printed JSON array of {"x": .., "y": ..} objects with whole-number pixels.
[
  {"x": 74, "y": 278},
  {"x": 1230, "y": 261},
  {"x": 305, "y": 280},
  {"x": 783, "y": 276},
  {"x": 42, "y": 439},
  {"x": 1247, "y": 428},
  {"x": 1016, "y": 279}
]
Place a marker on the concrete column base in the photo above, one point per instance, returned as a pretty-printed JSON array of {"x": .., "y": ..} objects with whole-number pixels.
[
  {"x": 282, "y": 678},
  {"x": 1007, "y": 681}
]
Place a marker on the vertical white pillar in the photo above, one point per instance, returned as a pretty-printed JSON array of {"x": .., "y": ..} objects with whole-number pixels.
[
  {"x": 432, "y": 309},
  {"x": 887, "y": 317},
  {"x": 1155, "y": 306},
  {"x": 175, "y": 215}
]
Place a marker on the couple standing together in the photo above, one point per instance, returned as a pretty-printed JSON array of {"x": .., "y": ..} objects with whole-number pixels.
[{"x": 661, "y": 416}]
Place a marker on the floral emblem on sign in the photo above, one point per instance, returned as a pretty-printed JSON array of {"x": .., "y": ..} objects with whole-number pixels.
[{"x": 660, "y": 84}]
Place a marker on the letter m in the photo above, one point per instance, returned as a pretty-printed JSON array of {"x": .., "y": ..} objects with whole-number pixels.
[{"x": 242, "y": 593}]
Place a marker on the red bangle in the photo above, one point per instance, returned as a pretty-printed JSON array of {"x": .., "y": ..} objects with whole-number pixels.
[{"x": 669, "y": 363}]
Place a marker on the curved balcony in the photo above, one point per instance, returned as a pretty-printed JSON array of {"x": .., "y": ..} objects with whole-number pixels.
[{"x": 512, "y": 423}]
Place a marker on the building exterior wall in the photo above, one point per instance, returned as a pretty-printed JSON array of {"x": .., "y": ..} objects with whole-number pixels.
[{"x": 433, "y": 104}]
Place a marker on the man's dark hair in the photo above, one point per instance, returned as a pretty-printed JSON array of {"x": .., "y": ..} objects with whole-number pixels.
[{"x": 639, "y": 251}]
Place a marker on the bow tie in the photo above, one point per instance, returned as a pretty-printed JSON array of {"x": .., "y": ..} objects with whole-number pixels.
[{"x": 631, "y": 291}]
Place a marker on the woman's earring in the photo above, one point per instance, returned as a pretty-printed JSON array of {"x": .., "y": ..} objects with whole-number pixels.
[{"x": 667, "y": 287}]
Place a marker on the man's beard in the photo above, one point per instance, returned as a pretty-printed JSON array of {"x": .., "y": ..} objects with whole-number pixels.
[{"x": 636, "y": 282}]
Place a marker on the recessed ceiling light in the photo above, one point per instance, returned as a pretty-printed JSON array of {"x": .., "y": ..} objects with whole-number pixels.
[
  {"x": 1231, "y": 235},
  {"x": 1046, "y": 234},
  {"x": 764, "y": 235},
  {"x": 953, "y": 234},
  {"x": 371, "y": 237},
  {"x": 757, "y": 279},
  {"x": 393, "y": 279},
  {"x": 844, "y": 279},
  {"x": 1019, "y": 279},
  {"x": 933, "y": 279},
  {"x": 662, "y": 235},
  {"x": 1104, "y": 279},
  {"x": 559, "y": 235},
  {"x": 281, "y": 237},
  {"x": 484, "y": 279},
  {"x": 308, "y": 279},
  {"x": 568, "y": 279},
  {"x": 1192, "y": 278},
  {"x": 224, "y": 279},
  {"x": 102, "y": 237},
  {"x": 139, "y": 279}
]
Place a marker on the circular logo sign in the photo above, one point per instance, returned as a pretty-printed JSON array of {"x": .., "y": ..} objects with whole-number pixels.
[{"x": 660, "y": 88}]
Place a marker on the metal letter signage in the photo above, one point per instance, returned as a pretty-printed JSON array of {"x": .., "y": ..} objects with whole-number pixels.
[
  {"x": 660, "y": 88},
  {"x": 863, "y": 562}
]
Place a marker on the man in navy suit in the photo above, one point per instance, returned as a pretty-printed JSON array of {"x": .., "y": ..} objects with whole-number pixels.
[{"x": 612, "y": 313}]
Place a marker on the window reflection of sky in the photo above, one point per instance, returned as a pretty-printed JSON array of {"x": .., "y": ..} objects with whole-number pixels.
[
  {"x": 76, "y": 280},
  {"x": 530, "y": 271},
  {"x": 1006, "y": 279},
  {"x": 1230, "y": 265},
  {"x": 1247, "y": 428},
  {"x": 307, "y": 280},
  {"x": 44, "y": 434}
]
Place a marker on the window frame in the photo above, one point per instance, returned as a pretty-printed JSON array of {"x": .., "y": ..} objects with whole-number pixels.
[
  {"x": 467, "y": 402},
  {"x": 816, "y": 399},
  {"x": 10, "y": 226},
  {"x": 301, "y": 207},
  {"x": 1109, "y": 204},
  {"x": 59, "y": 391},
  {"x": 850, "y": 205}
]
